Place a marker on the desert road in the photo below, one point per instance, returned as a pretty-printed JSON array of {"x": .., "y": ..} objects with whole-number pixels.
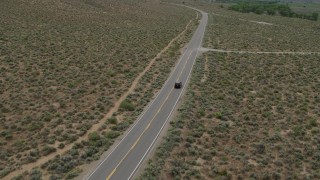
[{"x": 126, "y": 157}]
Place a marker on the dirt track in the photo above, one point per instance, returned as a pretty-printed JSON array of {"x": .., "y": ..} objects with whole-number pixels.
[{"x": 257, "y": 52}]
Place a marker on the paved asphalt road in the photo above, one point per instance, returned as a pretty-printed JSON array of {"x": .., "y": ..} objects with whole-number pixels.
[{"x": 126, "y": 157}]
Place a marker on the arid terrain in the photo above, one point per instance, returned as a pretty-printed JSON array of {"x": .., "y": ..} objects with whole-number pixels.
[
  {"x": 266, "y": 33},
  {"x": 64, "y": 64},
  {"x": 247, "y": 115},
  {"x": 75, "y": 74}
]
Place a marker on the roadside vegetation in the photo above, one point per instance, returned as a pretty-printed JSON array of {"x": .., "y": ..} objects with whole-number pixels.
[
  {"x": 63, "y": 64},
  {"x": 271, "y": 8},
  {"x": 256, "y": 116}
]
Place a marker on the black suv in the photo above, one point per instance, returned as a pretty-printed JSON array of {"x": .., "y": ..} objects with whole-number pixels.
[{"x": 178, "y": 85}]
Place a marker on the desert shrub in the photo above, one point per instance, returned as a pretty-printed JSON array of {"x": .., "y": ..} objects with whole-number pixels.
[
  {"x": 94, "y": 136},
  {"x": 112, "y": 120},
  {"x": 35, "y": 174},
  {"x": 19, "y": 177},
  {"x": 61, "y": 146},
  {"x": 112, "y": 134},
  {"x": 47, "y": 150},
  {"x": 127, "y": 105},
  {"x": 73, "y": 173},
  {"x": 121, "y": 126},
  {"x": 4, "y": 172}
]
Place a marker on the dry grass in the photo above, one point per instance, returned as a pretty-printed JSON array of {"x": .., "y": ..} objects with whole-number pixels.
[{"x": 64, "y": 63}]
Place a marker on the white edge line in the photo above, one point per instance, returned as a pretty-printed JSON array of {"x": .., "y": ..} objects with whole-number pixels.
[
  {"x": 160, "y": 129},
  {"x": 169, "y": 114},
  {"x": 140, "y": 117},
  {"x": 170, "y": 91}
]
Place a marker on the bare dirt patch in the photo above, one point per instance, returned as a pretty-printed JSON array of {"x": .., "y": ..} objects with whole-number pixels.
[{"x": 263, "y": 23}]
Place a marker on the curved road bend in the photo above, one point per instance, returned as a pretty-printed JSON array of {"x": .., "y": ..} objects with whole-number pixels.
[{"x": 126, "y": 157}]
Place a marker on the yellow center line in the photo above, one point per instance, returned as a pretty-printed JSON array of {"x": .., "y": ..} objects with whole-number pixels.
[
  {"x": 136, "y": 142},
  {"x": 184, "y": 67}
]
